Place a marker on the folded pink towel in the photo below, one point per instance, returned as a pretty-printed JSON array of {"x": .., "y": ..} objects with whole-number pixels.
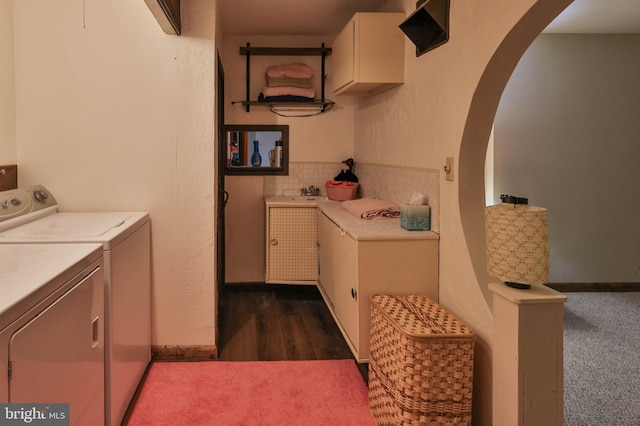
[
  {"x": 288, "y": 90},
  {"x": 371, "y": 208},
  {"x": 290, "y": 70},
  {"x": 289, "y": 81}
]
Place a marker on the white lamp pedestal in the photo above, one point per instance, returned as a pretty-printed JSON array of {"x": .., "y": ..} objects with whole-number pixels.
[{"x": 528, "y": 382}]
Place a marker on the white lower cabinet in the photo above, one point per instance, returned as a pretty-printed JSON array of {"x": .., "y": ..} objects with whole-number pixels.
[
  {"x": 352, "y": 270},
  {"x": 292, "y": 245},
  {"x": 339, "y": 275}
]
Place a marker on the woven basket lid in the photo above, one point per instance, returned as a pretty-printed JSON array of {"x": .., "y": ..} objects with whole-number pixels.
[{"x": 419, "y": 316}]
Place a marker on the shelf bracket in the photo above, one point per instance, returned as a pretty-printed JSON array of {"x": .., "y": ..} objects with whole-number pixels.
[
  {"x": 322, "y": 77},
  {"x": 247, "y": 107}
]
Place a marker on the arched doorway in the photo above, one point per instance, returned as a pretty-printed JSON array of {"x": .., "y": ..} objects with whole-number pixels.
[
  {"x": 571, "y": 105},
  {"x": 477, "y": 130}
]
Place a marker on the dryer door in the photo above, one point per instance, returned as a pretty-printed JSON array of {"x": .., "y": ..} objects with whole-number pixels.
[{"x": 58, "y": 356}]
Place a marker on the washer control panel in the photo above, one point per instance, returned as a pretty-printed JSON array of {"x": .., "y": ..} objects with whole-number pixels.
[{"x": 21, "y": 201}]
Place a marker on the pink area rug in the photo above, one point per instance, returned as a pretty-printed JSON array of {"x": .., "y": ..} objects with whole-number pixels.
[{"x": 299, "y": 393}]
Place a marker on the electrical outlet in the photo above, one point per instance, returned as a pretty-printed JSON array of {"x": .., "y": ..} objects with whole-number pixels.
[{"x": 448, "y": 169}]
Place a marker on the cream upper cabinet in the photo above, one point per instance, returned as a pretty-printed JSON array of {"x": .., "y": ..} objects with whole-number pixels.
[{"x": 368, "y": 54}]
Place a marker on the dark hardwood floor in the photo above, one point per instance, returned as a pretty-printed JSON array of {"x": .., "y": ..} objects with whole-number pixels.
[{"x": 266, "y": 322}]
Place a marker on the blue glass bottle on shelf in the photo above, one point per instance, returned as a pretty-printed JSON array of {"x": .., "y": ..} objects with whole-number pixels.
[{"x": 256, "y": 158}]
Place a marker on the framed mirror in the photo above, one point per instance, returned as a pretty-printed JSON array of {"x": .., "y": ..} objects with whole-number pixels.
[{"x": 254, "y": 149}]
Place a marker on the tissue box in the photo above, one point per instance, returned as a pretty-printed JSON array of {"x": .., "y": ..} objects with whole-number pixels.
[{"x": 415, "y": 218}]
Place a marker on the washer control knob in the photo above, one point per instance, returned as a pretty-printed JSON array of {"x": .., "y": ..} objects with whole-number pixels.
[
  {"x": 41, "y": 195},
  {"x": 16, "y": 201},
  {"x": 5, "y": 204}
]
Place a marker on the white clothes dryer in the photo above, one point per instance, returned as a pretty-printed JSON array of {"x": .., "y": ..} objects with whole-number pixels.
[
  {"x": 126, "y": 241},
  {"x": 52, "y": 329}
]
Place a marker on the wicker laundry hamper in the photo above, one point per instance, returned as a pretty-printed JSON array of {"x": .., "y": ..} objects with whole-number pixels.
[{"x": 420, "y": 363}]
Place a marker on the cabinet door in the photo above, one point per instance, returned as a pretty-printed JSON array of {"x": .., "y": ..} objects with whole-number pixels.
[
  {"x": 339, "y": 277},
  {"x": 343, "y": 52},
  {"x": 368, "y": 54},
  {"x": 328, "y": 238},
  {"x": 292, "y": 245},
  {"x": 379, "y": 48},
  {"x": 346, "y": 286}
]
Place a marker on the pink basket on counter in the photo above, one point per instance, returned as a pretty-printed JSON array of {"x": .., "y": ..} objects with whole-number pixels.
[{"x": 341, "y": 191}]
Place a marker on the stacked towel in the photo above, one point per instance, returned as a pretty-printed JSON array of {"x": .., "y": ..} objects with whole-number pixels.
[
  {"x": 371, "y": 208},
  {"x": 288, "y": 82},
  {"x": 290, "y": 70}
]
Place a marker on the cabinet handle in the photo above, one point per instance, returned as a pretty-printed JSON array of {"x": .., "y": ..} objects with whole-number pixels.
[
  {"x": 274, "y": 241},
  {"x": 354, "y": 294},
  {"x": 95, "y": 332}
]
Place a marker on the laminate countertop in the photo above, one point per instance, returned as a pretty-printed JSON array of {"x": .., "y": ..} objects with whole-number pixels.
[
  {"x": 294, "y": 200},
  {"x": 370, "y": 229}
]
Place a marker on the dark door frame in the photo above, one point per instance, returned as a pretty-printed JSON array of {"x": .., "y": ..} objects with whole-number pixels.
[{"x": 221, "y": 198}]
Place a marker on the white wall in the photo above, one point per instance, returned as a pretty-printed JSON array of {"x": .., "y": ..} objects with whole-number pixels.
[
  {"x": 567, "y": 137},
  {"x": 7, "y": 91},
  {"x": 113, "y": 114},
  {"x": 445, "y": 108},
  {"x": 326, "y": 137},
  {"x": 99, "y": 108}
]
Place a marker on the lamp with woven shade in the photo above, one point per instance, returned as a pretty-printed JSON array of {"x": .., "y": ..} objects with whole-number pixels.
[{"x": 517, "y": 237}]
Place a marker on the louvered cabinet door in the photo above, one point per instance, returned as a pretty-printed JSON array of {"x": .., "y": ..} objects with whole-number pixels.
[{"x": 292, "y": 245}]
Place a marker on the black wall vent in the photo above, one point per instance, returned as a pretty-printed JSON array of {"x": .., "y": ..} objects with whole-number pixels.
[
  {"x": 167, "y": 13},
  {"x": 428, "y": 26}
]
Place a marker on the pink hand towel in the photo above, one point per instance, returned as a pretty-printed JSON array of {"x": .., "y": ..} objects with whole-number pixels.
[
  {"x": 288, "y": 90},
  {"x": 290, "y": 70},
  {"x": 289, "y": 81}
]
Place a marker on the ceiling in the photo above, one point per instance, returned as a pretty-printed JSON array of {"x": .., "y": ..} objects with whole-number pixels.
[
  {"x": 289, "y": 17},
  {"x": 327, "y": 17},
  {"x": 598, "y": 17}
]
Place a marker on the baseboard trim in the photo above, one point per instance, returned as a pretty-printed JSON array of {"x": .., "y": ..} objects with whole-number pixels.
[
  {"x": 184, "y": 353},
  {"x": 594, "y": 287},
  {"x": 261, "y": 286}
]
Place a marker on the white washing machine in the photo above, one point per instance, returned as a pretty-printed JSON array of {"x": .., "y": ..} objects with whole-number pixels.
[
  {"x": 33, "y": 217},
  {"x": 52, "y": 328}
]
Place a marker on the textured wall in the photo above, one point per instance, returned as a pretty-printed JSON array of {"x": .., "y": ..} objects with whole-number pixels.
[
  {"x": 7, "y": 93},
  {"x": 323, "y": 138},
  {"x": 446, "y": 108},
  {"x": 115, "y": 115},
  {"x": 567, "y": 138},
  {"x": 120, "y": 95}
]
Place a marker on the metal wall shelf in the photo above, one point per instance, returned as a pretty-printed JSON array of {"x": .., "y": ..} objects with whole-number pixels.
[{"x": 323, "y": 104}]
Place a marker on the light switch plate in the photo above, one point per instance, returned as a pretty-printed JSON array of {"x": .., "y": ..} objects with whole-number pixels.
[{"x": 448, "y": 169}]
